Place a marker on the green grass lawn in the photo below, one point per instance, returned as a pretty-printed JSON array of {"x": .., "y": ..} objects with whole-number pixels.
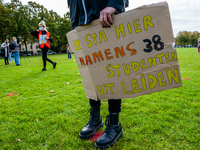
[{"x": 52, "y": 120}]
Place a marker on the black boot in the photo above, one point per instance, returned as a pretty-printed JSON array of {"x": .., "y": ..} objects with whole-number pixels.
[
  {"x": 54, "y": 65},
  {"x": 112, "y": 132},
  {"x": 93, "y": 124}
]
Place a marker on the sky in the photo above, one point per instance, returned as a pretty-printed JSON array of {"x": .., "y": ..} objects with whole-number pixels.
[{"x": 185, "y": 14}]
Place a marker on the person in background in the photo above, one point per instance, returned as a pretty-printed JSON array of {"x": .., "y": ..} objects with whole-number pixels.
[
  {"x": 10, "y": 57},
  {"x": 16, "y": 51},
  {"x": 83, "y": 12},
  {"x": 45, "y": 39},
  {"x": 68, "y": 51},
  {"x": 5, "y": 46},
  {"x": 199, "y": 44}
]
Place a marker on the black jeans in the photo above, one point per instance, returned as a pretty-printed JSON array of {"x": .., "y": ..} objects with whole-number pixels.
[
  {"x": 6, "y": 60},
  {"x": 114, "y": 105},
  {"x": 44, "y": 56}
]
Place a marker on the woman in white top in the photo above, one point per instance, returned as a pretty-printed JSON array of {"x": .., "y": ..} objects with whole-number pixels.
[{"x": 5, "y": 46}]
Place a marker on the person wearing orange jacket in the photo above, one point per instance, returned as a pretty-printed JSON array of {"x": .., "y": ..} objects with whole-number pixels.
[{"x": 45, "y": 40}]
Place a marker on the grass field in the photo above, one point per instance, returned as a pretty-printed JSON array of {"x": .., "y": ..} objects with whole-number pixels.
[{"x": 48, "y": 113}]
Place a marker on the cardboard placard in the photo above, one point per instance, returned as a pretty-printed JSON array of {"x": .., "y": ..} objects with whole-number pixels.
[{"x": 132, "y": 58}]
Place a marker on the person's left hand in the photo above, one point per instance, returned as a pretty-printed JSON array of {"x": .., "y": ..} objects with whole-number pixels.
[
  {"x": 106, "y": 16},
  {"x": 46, "y": 38}
]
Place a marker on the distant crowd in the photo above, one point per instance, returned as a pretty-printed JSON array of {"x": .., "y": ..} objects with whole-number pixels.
[{"x": 7, "y": 49}]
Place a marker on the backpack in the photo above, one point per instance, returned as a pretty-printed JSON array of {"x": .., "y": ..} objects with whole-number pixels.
[{"x": 12, "y": 46}]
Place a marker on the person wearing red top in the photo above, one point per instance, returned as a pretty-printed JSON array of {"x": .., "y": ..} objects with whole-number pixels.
[{"x": 45, "y": 39}]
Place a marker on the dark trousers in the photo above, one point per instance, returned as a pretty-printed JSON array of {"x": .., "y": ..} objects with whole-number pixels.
[
  {"x": 114, "y": 105},
  {"x": 44, "y": 56},
  {"x": 69, "y": 55},
  {"x": 6, "y": 60}
]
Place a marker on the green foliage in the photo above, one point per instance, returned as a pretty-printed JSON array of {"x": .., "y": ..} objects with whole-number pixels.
[
  {"x": 185, "y": 38},
  {"x": 19, "y": 20},
  {"x": 64, "y": 51},
  {"x": 161, "y": 120},
  {"x": 55, "y": 48}
]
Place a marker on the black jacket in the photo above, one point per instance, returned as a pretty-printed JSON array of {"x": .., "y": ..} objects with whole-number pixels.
[{"x": 85, "y": 11}]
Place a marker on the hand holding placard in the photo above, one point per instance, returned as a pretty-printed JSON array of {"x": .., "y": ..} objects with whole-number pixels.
[{"x": 132, "y": 58}]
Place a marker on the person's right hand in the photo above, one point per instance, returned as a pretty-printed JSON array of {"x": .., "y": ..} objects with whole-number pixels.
[
  {"x": 19, "y": 42},
  {"x": 38, "y": 30},
  {"x": 106, "y": 16}
]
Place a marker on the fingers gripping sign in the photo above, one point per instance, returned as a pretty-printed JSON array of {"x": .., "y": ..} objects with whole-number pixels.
[{"x": 106, "y": 16}]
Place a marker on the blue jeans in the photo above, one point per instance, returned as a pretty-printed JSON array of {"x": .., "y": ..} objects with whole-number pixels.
[
  {"x": 16, "y": 56},
  {"x": 9, "y": 57},
  {"x": 69, "y": 56}
]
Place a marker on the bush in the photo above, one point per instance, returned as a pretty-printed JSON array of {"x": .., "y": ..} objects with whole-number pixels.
[{"x": 63, "y": 51}]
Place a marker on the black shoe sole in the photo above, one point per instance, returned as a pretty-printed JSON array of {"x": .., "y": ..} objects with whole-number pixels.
[
  {"x": 109, "y": 144},
  {"x": 86, "y": 137}
]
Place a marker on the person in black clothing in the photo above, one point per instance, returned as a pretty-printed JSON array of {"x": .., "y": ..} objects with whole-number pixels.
[
  {"x": 83, "y": 12},
  {"x": 44, "y": 38}
]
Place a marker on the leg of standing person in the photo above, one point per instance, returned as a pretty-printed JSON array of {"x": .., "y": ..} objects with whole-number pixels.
[
  {"x": 44, "y": 57},
  {"x": 14, "y": 57},
  {"x": 113, "y": 130},
  {"x": 18, "y": 54},
  {"x": 95, "y": 121},
  {"x": 9, "y": 57},
  {"x": 5, "y": 60},
  {"x": 49, "y": 60},
  {"x": 70, "y": 55},
  {"x": 17, "y": 57},
  {"x": 113, "y": 127},
  {"x": 6, "y": 57}
]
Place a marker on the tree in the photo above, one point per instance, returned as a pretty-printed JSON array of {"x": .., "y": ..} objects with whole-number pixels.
[
  {"x": 1, "y": 2},
  {"x": 194, "y": 37},
  {"x": 19, "y": 25},
  {"x": 19, "y": 20},
  {"x": 186, "y": 38},
  {"x": 4, "y": 22},
  {"x": 59, "y": 28}
]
